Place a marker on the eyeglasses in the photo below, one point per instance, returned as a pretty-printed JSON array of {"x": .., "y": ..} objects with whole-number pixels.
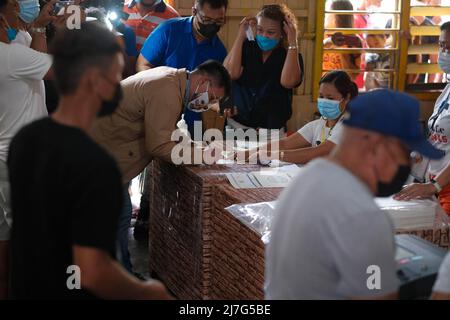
[
  {"x": 444, "y": 46},
  {"x": 207, "y": 20}
]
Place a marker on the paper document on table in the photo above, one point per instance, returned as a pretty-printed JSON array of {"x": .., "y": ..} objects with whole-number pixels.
[
  {"x": 265, "y": 178},
  {"x": 417, "y": 214},
  {"x": 419, "y": 170}
]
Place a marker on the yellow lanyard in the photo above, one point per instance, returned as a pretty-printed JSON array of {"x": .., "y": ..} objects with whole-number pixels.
[{"x": 324, "y": 131}]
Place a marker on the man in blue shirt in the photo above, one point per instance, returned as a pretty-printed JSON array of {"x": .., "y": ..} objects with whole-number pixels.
[{"x": 187, "y": 42}]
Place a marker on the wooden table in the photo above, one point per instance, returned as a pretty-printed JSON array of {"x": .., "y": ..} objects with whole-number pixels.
[
  {"x": 200, "y": 250},
  {"x": 180, "y": 225}
]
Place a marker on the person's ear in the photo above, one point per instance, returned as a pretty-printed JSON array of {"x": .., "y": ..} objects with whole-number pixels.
[
  {"x": 194, "y": 11},
  {"x": 93, "y": 80},
  {"x": 203, "y": 82}
]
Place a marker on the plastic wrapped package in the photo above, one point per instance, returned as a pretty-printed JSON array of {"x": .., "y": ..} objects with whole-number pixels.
[
  {"x": 414, "y": 215},
  {"x": 257, "y": 216},
  {"x": 406, "y": 216}
]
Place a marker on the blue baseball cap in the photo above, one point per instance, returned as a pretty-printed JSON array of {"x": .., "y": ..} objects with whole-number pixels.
[{"x": 393, "y": 114}]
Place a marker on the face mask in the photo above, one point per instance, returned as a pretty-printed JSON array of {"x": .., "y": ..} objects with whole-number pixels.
[
  {"x": 444, "y": 61},
  {"x": 396, "y": 185},
  {"x": 29, "y": 10},
  {"x": 266, "y": 44},
  {"x": 11, "y": 33},
  {"x": 201, "y": 102},
  {"x": 108, "y": 107},
  {"x": 329, "y": 109},
  {"x": 208, "y": 30}
]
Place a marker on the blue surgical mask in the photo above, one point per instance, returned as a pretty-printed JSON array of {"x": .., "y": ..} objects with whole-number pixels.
[
  {"x": 29, "y": 10},
  {"x": 266, "y": 44},
  {"x": 444, "y": 61},
  {"x": 11, "y": 33},
  {"x": 329, "y": 109}
]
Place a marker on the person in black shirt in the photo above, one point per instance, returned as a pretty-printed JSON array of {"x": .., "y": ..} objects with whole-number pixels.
[
  {"x": 266, "y": 70},
  {"x": 66, "y": 191}
]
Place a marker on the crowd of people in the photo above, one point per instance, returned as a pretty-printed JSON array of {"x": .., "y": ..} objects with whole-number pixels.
[
  {"x": 81, "y": 118},
  {"x": 367, "y": 68}
]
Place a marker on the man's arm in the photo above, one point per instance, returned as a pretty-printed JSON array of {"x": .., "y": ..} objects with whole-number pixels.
[
  {"x": 154, "y": 49},
  {"x": 143, "y": 64},
  {"x": 39, "y": 42},
  {"x": 105, "y": 278}
]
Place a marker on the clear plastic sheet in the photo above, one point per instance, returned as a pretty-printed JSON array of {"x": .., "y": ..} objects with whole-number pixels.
[
  {"x": 413, "y": 215},
  {"x": 257, "y": 216}
]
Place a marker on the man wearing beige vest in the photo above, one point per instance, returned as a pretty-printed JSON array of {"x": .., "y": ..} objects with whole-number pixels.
[{"x": 141, "y": 128}]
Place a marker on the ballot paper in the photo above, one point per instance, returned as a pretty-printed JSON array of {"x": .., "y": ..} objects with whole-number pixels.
[
  {"x": 265, "y": 178},
  {"x": 419, "y": 170},
  {"x": 417, "y": 214}
]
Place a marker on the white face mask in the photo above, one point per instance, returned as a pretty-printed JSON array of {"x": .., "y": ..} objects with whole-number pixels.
[
  {"x": 200, "y": 103},
  {"x": 444, "y": 61}
]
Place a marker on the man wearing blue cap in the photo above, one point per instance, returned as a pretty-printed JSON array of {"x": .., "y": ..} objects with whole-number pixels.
[{"x": 330, "y": 240}]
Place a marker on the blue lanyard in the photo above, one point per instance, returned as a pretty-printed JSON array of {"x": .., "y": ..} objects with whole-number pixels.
[{"x": 444, "y": 106}]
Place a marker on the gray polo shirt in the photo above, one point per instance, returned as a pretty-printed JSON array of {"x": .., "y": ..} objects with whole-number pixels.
[
  {"x": 442, "y": 284},
  {"x": 329, "y": 239}
]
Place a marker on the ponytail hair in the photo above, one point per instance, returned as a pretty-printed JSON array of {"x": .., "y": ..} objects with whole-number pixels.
[{"x": 342, "y": 82}]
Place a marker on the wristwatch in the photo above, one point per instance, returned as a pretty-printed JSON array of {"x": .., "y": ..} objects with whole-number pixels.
[
  {"x": 436, "y": 185},
  {"x": 38, "y": 30}
]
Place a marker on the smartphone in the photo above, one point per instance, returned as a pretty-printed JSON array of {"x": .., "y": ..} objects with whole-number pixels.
[
  {"x": 225, "y": 103},
  {"x": 60, "y": 6}
]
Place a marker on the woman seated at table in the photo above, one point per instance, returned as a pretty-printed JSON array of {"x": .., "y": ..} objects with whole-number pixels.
[
  {"x": 438, "y": 172},
  {"x": 265, "y": 71},
  {"x": 319, "y": 137}
]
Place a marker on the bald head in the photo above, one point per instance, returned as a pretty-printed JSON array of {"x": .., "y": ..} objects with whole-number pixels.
[{"x": 373, "y": 157}]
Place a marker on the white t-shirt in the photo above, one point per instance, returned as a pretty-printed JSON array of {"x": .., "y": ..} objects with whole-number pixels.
[
  {"x": 326, "y": 233},
  {"x": 316, "y": 132},
  {"x": 439, "y": 128},
  {"x": 442, "y": 284},
  {"x": 23, "y": 38},
  {"x": 21, "y": 72}
]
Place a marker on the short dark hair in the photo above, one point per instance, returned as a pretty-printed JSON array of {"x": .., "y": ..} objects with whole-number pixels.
[
  {"x": 77, "y": 50},
  {"x": 446, "y": 26},
  {"x": 215, "y": 4},
  {"x": 343, "y": 21},
  {"x": 343, "y": 83},
  {"x": 279, "y": 13},
  {"x": 218, "y": 74},
  {"x": 3, "y": 3}
]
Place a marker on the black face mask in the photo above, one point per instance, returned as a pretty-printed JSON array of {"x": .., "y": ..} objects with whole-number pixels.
[
  {"x": 208, "y": 30},
  {"x": 396, "y": 185},
  {"x": 108, "y": 107}
]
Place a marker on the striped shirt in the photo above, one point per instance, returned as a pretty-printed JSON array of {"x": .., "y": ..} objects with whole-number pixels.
[{"x": 143, "y": 26}]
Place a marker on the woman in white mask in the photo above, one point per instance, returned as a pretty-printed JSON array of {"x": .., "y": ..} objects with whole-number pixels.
[
  {"x": 439, "y": 135},
  {"x": 319, "y": 137}
]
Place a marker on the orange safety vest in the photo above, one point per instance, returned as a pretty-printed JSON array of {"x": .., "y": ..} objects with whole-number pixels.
[{"x": 143, "y": 26}]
